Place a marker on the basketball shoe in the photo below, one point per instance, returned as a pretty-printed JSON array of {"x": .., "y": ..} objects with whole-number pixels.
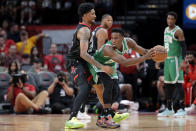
[
  {"x": 180, "y": 113},
  {"x": 109, "y": 122},
  {"x": 166, "y": 113},
  {"x": 101, "y": 122},
  {"x": 73, "y": 124},
  {"x": 119, "y": 117},
  {"x": 191, "y": 109}
]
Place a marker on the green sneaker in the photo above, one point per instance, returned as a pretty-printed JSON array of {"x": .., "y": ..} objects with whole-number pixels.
[
  {"x": 119, "y": 117},
  {"x": 73, "y": 124}
]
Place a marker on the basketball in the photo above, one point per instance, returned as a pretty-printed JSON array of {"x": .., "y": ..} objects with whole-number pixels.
[{"x": 160, "y": 53}]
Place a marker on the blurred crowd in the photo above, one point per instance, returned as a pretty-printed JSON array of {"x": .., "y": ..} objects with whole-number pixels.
[{"x": 40, "y": 11}]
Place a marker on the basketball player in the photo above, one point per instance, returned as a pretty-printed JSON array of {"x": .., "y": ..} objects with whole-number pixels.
[
  {"x": 78, "y": 59},
  {"x": 174, "y": 42},
  {"x": 100, "y": 37},
  {"x": 108, "y": 54}
]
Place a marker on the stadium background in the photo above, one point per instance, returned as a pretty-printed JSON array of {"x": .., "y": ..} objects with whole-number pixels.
[{"x": 143, "y": 19}]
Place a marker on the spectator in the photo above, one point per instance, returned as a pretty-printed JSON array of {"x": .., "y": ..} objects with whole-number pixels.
[
  {"x": 26, "y": 44},
  {"x": 13, "y": 68},
  {"x": 13, "y": 56},
  {"x": 34, "y": 54},
  {"x": 61, "y": 95},
  {"x": 27, "y": 10},
  {"x": 25, "y": 65},
  {"x": 54, "y": 62},
  {"x": 189, "y": 75},
  {"x": 14, "y": 33},
  {"x": 8, "y": 42},
  {"x": 5, "y": 25},
  {"x": 3, "y": 49},
  {"x": 2, "y": 63},
  {"x": 37, "y": 66},
  {"x": 23, "y": 96}
]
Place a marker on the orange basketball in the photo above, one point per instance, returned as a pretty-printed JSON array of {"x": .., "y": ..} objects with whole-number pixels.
[{"x": 160, "y": 53}]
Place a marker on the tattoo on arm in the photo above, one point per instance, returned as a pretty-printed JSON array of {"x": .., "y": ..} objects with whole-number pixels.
[
  {"x": 84, "y": 35},
  {"x": 84, "y": 41}
]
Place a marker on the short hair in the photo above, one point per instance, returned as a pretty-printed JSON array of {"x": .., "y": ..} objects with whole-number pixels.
[
  {"x": 118, "y": 30},
  {"x": 174, "y": 14},
  {"x": 104, "y": 16},
  {"x": 85, "y": 8}
]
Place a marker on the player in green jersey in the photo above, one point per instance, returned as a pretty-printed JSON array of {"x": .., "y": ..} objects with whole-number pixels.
[
  {"x": 108, "y": 54},
  {"x": 174, "y": 42}
]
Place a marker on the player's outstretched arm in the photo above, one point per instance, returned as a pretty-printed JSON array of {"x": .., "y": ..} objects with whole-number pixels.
[
  {"x": 109, "y": 51},
  {"x": 133, "y": 45},
  {"x": 83, "y": 36}
]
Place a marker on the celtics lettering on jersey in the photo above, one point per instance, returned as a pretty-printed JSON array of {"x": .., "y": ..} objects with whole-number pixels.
[{"x": 171, "y": 43}]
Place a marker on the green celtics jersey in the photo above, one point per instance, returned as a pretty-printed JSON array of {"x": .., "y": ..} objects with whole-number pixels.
[
  {"x": 106, "y": 60},
  {"x": 171, "y": 43}
]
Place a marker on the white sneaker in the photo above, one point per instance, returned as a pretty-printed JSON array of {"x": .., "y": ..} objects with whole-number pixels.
[
  {"x": 180, "y": 113},
  {"x": 161, "y": 109},
  {"x": 191, "y": 109},
  {"x": 83, "y": 116},
  {"x": 166, "y": 113},
  {"x": 134, "y": 106}
]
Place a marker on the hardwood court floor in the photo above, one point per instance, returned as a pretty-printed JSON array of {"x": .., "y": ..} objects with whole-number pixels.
[{"x": 141, "y": 122}]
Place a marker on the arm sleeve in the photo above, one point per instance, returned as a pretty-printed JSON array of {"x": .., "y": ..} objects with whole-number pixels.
[{"x": 183, "y": 45}]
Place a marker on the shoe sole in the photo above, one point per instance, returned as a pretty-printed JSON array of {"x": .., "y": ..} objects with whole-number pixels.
[
  {"x": 112, "y": 127},
  {"x": 165, "y": 116},
  {"x": 102, "y": 126},
  {"x": 76, "y": 127}
]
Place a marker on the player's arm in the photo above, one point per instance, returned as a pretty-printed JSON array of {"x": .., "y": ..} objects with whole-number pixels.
[
  {"x": 83, "y": 36},
  {"x": 133, "y": 45},
  {"x": 109, "y": 51},
  {"x": 102, "y": 36},
  {"x": 180, "y": 36}
]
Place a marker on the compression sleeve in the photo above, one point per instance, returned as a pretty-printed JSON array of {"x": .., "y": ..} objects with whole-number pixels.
[{"x": 183, "y": 45}]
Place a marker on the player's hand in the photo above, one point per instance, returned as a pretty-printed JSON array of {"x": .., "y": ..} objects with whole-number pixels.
[
  {"x": 107, "y": 69},
  {"x": 115, "y": 106},
  {"x": 157, "y": 65},
  {"x": 182, "y": 65},
  {"x": 151, "y": 53}
]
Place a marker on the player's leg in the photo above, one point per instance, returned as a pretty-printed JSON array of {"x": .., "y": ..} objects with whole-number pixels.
[
  {"x": 107, "y": 99},
  {"x": 116, "y": 97},
  {"x": 78, "y": 73},
  {"x": 169, "y": 87},
  {"x": 179, "y": 99}
]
